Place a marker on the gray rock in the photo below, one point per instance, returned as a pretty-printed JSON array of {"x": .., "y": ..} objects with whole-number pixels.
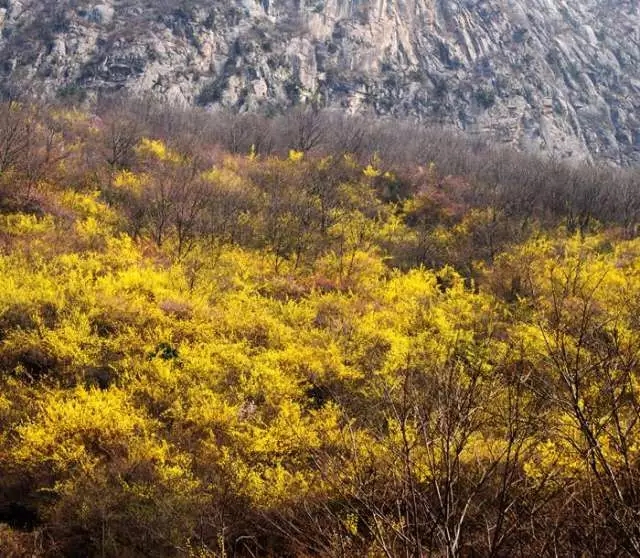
[
  {"x": 557, "y": 75},
  {"x": 102, "y": 14}
]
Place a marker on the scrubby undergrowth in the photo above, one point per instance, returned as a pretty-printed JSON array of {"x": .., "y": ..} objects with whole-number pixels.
[{"x": 309, "y": 352}]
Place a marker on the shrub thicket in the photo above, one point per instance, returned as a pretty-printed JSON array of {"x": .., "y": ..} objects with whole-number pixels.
[{"x": 230, "y": 336}]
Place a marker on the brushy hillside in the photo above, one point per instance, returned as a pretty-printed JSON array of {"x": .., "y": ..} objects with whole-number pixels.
[{"x": 276, "y": 352}]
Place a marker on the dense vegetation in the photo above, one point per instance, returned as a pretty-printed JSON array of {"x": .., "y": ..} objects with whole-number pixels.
[{"x": 227, "y": 336}]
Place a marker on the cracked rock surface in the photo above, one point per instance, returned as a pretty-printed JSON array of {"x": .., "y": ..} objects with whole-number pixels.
[{"x": 559, "y": 75}]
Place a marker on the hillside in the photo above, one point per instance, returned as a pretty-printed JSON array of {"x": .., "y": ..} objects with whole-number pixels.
[
  {"x": 559, "y": 75},
  {"x": 209, "y": 354}
]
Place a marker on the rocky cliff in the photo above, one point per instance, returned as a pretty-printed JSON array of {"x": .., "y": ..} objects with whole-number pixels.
[{"x": 561, "y": 75}]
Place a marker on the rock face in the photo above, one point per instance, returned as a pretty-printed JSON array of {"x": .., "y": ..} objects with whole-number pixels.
[{"x": 560, "y": 75}]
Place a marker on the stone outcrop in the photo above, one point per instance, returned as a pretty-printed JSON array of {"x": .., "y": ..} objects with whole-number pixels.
[{"x": 559, "y": 75}]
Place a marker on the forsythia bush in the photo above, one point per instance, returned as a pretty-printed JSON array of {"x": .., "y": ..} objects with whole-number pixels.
[{"x": 263, "y": 356}]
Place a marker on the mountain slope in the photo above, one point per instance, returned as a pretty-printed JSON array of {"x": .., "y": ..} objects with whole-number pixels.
[{"x": 563, "y": 75}]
